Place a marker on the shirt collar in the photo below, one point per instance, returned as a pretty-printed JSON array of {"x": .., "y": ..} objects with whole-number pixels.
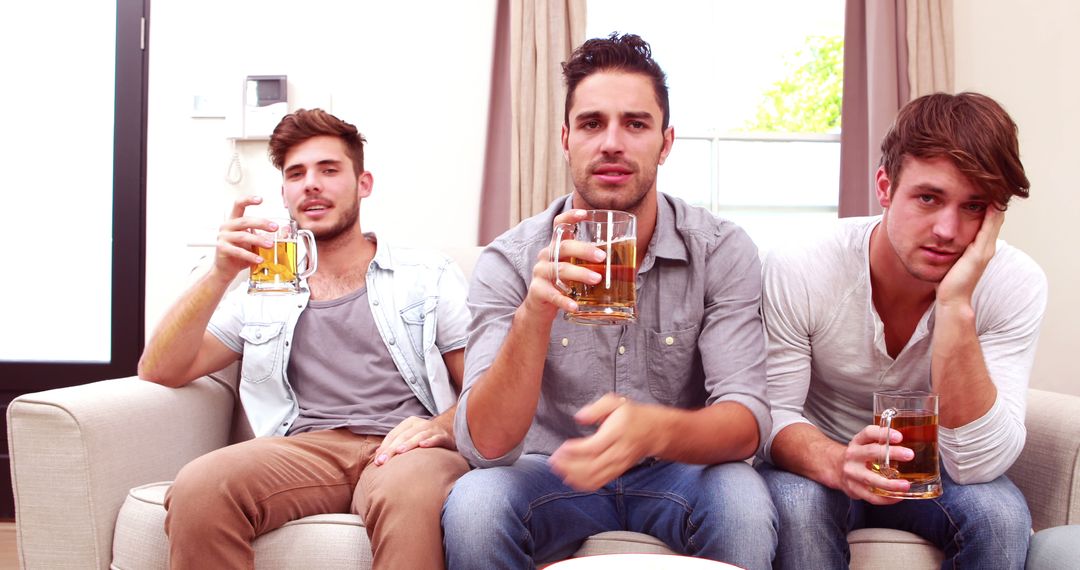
[
  {"x": 383, "y": 258},
  {"x": 667, "y": 242}
]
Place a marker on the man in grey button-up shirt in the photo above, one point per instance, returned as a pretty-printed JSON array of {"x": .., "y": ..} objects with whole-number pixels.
[{"x": 636, "y": 427}]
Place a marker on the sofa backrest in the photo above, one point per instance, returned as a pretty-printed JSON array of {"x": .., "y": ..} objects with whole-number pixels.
[{"x": 465, "y": 257}]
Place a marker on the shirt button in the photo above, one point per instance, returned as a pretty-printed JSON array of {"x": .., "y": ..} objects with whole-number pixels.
[
  {"x": 391, "y": 341},
  {"x": 669, "y": 341},
  {"x": 566, "y": 342},
  {"x": 375, "y": 302},
  {"x": 622, "y": 350},
  {"x": 258, "y": 334}
]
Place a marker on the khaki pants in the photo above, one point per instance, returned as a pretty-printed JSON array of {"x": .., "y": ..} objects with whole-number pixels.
[{"x": 221, "y": 501}]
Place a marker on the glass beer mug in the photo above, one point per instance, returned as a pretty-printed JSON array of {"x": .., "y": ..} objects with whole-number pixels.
[
  {"x": 914, "y": 414},
  {"x": 612, "y": 301},
  {"x": 278, "y": 272}
]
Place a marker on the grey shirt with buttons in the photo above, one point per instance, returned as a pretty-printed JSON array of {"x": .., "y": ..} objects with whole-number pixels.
[{"x": 698, "y": 339}]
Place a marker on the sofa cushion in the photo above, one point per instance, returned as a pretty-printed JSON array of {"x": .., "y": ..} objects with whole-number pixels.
[
  {"x": 617, "y": 542},
  {"x": 340, "y": 541},
  {"x": 139, "y": 539},
  {"x": 883, "y": 547},
  {"x": 328, "y": 541}
]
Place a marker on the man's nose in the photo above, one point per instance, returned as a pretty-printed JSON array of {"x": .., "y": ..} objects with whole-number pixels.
[
  {"x": 311, "y": 181},
  {"x": 612, "y": 142},
  {"x": 947, "y": 224}
]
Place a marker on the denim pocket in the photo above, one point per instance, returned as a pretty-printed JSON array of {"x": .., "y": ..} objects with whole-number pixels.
[
  {"x": 419, "y": 320},
  {"x": 263, "y": 346}
]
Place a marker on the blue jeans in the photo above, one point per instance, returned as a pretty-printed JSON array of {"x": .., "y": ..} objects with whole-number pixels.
[
  {"x": 985, "y": 525},
  {"x": 517, "y": 516},
  {"x": 1055, "y": 548}
]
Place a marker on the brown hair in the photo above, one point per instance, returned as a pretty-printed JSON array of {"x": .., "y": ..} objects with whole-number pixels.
[
  {"x": 628, "y": 53},
  {"x": 303, "y": 124},
  {"x": 971, "y": 130}
]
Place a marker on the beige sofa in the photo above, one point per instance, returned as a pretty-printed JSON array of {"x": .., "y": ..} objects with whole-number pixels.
[{"x": 90, "y": 465}]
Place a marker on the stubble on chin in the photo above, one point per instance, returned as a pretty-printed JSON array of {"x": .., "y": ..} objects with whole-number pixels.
[
  {"x": 627, "y": 198},
  {"x": 343, "y": 226}
]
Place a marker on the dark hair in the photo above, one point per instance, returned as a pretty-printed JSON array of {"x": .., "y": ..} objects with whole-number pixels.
[
  {"x": 627, "y": 53},
  {"x": 971, "y": 130},
  {"x": 303, "y": 124}
]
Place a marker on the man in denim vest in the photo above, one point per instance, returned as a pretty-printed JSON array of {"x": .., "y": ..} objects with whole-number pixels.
[
  {"x": 641, "y": 427},
  {"x": 358, "y": 371}
]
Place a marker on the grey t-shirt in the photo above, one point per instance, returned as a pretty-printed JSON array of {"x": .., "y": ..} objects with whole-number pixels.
[{"x": 342, "y": 373}]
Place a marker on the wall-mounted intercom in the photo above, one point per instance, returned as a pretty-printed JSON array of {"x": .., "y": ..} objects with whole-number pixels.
[{"x": 266, "y": 101}]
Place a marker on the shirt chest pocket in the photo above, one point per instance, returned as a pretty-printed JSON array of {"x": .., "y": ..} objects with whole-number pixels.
[
  {"x": 576, "y": 361},
  {"x": 264, "y": 344},
  {"x": 672, "y": 364},
  {"x": 419, "y": 321}
]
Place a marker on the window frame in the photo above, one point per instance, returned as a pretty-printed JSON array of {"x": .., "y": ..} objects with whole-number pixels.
[
  {"x": 128, "y": 227},
  {"x": 716, "y": 137}
]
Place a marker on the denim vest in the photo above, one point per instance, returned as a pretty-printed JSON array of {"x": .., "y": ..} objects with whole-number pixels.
[{"x": 417, "y": 298}]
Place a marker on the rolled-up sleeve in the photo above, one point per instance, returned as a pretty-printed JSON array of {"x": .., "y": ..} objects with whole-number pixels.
[
  {"x": 453, "y": 311},
  {"x": 495, "y": 292},
  {"x": 732, "y": 320},
  {"x": 228, "y": 319}
]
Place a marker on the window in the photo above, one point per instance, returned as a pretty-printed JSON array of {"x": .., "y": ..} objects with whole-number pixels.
[
  {"x": 753, "y": 90},
  {"x": 74, "y": 185}
]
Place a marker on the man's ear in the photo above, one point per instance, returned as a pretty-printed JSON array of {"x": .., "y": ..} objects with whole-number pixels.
[
  {"x": 364, "y": 184},
  {"x": 566, "y": 142},
  {"x": 883, "y": 187},
  {"x": 669, "y": 139}
]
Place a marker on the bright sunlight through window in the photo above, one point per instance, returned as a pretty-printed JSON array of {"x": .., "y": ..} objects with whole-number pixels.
[{"x": 755, "y": 101}]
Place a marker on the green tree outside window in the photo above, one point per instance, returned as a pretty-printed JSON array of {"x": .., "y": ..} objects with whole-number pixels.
[{"x": 808, "y": 99}]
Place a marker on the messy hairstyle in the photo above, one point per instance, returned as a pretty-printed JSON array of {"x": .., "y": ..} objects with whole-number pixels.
[
  {"x": 971, "y": 130},
  {"x": 303, "y": 124},
  {"x": 628, "y": 53}
]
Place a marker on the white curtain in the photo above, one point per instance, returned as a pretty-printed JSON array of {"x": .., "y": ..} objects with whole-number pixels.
[
  {"x": 930, "y": 46},
  {"x": 894, "y": 51},
  {"x": 542, "y": 35}
]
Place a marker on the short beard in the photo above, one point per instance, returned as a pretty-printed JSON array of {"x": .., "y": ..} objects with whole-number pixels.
[
  {"x": 626, "y": 201},
  {"x": 347, "y": 222}
]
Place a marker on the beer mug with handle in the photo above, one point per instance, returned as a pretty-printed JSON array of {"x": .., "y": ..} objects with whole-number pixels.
[
  {"x": 279, "y": 271},
  {"x": 612, "y": 301},
  {"x": 914, "y": 414}
]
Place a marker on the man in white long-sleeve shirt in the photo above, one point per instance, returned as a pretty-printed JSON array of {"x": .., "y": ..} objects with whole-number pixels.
[{"x": 923, "y": 297}]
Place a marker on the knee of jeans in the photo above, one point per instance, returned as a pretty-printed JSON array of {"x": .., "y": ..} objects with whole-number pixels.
[
  {"x": 743, "y": 497},
  {"x": 478, "y": 503},
  {"x": 997, "y": 507},
  {"x": 800, "y": 501}
]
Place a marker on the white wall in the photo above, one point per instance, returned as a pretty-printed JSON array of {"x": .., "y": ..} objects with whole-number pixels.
[
  {"x": 1025, "y": 55},
  {"x": 414, "y": 77}
]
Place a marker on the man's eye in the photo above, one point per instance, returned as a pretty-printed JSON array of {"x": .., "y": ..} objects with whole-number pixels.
[
  {"x": 591, "y": 125},
  {"x": 330, "y": 171},
  {"x": 636, "y": 125},
  {"x": 976, "y": 207},
  {"x": 926, "y": 198},
  {"x": 293, "y": 175}
]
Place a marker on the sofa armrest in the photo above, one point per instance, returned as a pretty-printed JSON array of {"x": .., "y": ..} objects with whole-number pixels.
[
  {"x": 75, "y": 453},
  {"x": 1048, "y": 470}
]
